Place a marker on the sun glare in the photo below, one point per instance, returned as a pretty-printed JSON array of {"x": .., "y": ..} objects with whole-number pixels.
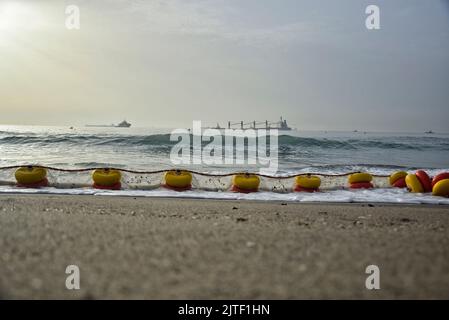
[
  {"x": 16, "y": 16},
  {"x": 9, "y": 15}
]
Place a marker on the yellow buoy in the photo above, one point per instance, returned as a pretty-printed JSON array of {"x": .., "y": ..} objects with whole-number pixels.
[
  {"x": 245, "y": 182},
  {"x": 441, "y": 188},
  {"x": 413, "y": 183},
  {"x": 106, "y": 177},
  {"x": 178, "y": 179},
  {"x": 395, "y": 176},
  {"x": 308, "y": 182},
  {"x": 360, "y": 177},
  {"x": 30, "y": 175}
]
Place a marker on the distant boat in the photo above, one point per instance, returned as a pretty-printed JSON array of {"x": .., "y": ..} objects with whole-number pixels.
[
  {"x": 123, "y": 124},
  {"x": 429, "y": 132}
]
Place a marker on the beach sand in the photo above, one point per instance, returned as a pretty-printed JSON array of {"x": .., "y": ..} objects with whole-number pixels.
[{"x": 193, "y": 249}]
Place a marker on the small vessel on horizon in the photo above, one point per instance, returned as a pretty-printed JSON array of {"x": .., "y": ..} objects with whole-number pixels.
[{"x": 123, "y": 124}]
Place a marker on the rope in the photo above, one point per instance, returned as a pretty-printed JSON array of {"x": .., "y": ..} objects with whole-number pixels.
[{"x": 195, "y": 172}]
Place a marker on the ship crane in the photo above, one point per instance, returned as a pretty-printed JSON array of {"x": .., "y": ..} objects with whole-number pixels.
[{"x": 256, "y": 125}]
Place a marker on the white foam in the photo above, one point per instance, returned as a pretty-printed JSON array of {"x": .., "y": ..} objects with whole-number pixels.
[{"x": 379, "y": 195}]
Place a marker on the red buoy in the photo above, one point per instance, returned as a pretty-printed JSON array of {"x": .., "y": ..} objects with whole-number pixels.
[
  {"x": 438, "y": 177},
  {"x": 177, "y": 188},
  {"x": 424, "y": 178},
  {"x": 361, "y": 185},
  {"x": 302, "y": 189},
  {"x": 237, "y": 189},
  {"x": 400, "y": 183},
  {"x": 39, "y": 184},
  {"x": 116, "y": 186}
]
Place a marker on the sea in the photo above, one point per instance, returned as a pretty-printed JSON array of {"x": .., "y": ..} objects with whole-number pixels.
[{"x": 148, "y": 149}]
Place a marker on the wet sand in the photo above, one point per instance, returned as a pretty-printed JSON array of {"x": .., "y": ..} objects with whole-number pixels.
[{"x": 199, "y": 249}]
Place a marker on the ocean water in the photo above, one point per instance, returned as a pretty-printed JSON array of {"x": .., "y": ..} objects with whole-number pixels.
[{"x": 148, "y": 149}]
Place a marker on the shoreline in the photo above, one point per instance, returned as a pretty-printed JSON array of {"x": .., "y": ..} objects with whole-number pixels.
[
  {"x": 338, "y": 196},
  {"x": 278, "y": 201},
  {"x": 184, "y": 248}
]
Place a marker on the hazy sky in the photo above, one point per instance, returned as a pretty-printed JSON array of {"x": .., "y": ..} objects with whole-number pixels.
[{"x": 166, "y": 63}]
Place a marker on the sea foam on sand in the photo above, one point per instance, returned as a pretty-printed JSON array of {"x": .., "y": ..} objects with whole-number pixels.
[{"x": 380, "y": 195}]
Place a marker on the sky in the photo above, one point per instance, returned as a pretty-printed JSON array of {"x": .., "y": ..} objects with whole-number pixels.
[{"x": 167, "y": 63}]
